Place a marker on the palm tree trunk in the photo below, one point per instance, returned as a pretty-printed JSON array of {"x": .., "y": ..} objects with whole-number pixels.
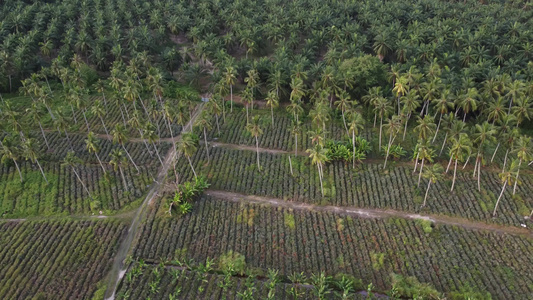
[
  {"x": 499, "y": 198},
  {"x": 81, "y": 181},
  {"x": 18, "y": 169},
  {"x": 247, "y": 119},
  {"x": 73, "y": 114},
  {"x": 505, "y": 160},
  {"x": 42, "y": 172},
  {"x": 443, "y": 143},
  {"x": 320, "y": 178},
  {"x": 295, "y": 145},
  {"x": 353, "y": 152},
  {"x": 466, "y": 163},
  {"x": 157, "y": 153},
  {"x": 416, "y": 161},
  {"x": 122, "y": 114},
  {"x": 257, "y": 149},
  {"x": 86, "y": 123},
  {"x": 101, "y": 165},
  {"x": 103, "y": 124},
  {"x": 68, "y": 139},
  {"x": 145, "y": 144},
  {"x": 388, "y": 149},
  {"x": 375, "y": 119},
  {"x": 171, "y": 133},
  {"x": 478, "y": 177},
  {"x": 231, "y": 97},
  {"x": 437, "y": 131},
  {"x": 272, "y": 114},
  {"x": 123, "y": 178},
  {"x": 290, "y": 165},
  {"x": 454, "y": 173},
  {"x": 517, "y": 173},
  {"x": 44, "y": 136},
  {"x": 207, "y": 145},
  {"x": 495, "y": 150},
  {"x": 421, "y": 169},
  {"x": 380, "y": 129},
  {"x": 192, "y": 168},
  {"x": 427, "y": 191},
  {"x": 105, "y": 102},
  {"x": 218, "y": 126},
  {"x": 131, "y": 159},
  {"x": 344, "y": 121},
  {"x": 405, "y": 127}
]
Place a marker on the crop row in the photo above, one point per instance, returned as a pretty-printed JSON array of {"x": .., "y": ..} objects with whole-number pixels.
[
  {"x": 368, "y": 249},
  {"x": 366, "y": 186},
  {"x": 60, "y": 146},
  {"x": 192, "y": 285},
  {"x": 56, "y": 259},
  {"x": 279, "y": 136},
  {"x": 64, "y": 193}
]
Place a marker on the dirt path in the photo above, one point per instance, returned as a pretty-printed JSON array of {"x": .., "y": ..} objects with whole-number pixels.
[
  {"x": 373, "y": 213},
  {"x": 119, "y": 269},
  {"x": 251, "y": 148}
]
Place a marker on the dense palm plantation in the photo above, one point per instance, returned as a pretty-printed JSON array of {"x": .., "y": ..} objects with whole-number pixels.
[{"x": 96, "y": 97}]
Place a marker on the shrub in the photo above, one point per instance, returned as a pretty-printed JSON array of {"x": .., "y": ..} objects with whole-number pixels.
[
  {"x": 410, "y": 287},
  {"x": 233, "y": 261}
]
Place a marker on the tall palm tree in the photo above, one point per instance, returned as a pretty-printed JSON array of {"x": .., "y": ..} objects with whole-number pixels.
[
  {"x": 400, "y": 89},
  {"x": 152, "y": 137},
  {"x": 118, "y": 160},
  {"x": 61, "y": 122},
  {"x": 344, "y": 103},
  {"x": 356, "y": 123},
  {"x": 393, "y": 126},
  {"x": 30, "y": 152},
  {"x": 72, "y": 161},
  {"x": 383, "y": 108},
  {"x": 523, "y": 109},
  {"x": 188, "y": 147},
  {"x": 296, "y": 129},
  {"x": 93, "y": 146},
  {"x": 230, "y": 79},
  {"x": 506, "y": 123},
  {"x": 410, "y": 104},
  {"x": 100, "y": 112},
  {"x": 34, "y": 115},
  {"x": 433, "y": 174},
  {"x": 120, "y": 137},
  {"x": 252, "y": 82},
  {"x": 272, "y": 101},
  {"x": 483, "y": 133},
  {"x": 10, "y": 151},
  {"x": 506, "y": 178},
  {"x": 204, "y": 122},
  {"x": 424, "y": 153},
  {"x": 442, "y": 104},
  {"x": 461, "y": 148},
  {"x": 425, "y": 128},
  {"x": 100, "y": 88},
  {"x": 318, "y": 158},
  {"x": 524, "y": 152},
  {"x": 254, "y": 128},
  {"x": 468, "y": 101},
  {"x": 247, "y": 98}
]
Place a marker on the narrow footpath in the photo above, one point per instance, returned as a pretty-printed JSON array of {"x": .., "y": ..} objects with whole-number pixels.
[
  {"x": 119, "y": 269},
  {"x": 373, "y": 213}
]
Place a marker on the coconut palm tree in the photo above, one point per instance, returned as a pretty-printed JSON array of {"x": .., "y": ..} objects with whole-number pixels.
[
  {"x": 410, "y": 104},
  {"x": 296, "y": 129},
  {"x": 383, "y": 108},
  {"x": 344, "y": 103},
  {"x": 118, "y": 160},
  {"x": 34, "y": 115},
  {"x": 247, "y": 98},
  {"x": 483, "y": 133},
  {"x": 72, "y": 161},
  {"x": 120, "y": 137},
  {"x": 442, "y": 104},
  {"x": 254, "y": 128},
  {"x": 93, "y": 146},
  {"x": 230, "y": 79},
  {"x": 204, "y": 122},
  {"x": 523, "y": 109},
  {"x": 468, "y": 101},
  {"x": 188, "y": 146},
  {"x": 356, "y": 123},
  {"x": 150, "y": 135},
  {"x": 393, "y": 126},
  {"x": 10, "y": 151},
  {"x": 506, "y": 123},
  {"x": 424, "y": 153},
  {"x": 61, "y": 122},
  {"x": 524, "y": 152},
  {"x": 506, "y": 178},
  {"x": 252, "y": 82},
  {"x": 425, "y": 128},
  {"x": 319, "y": 158},
  {"x": 100, "y": 112},
  {"x": 460, "y": 149},
  {"x": 433, "y": 174},
  {"x": 272, "y": 101},
  {"x": 400, "y": 89}
]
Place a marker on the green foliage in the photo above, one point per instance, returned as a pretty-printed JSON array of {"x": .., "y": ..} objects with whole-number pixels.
[
  {"x": 427, "y": 225},
  {"x": 233, "y": 262},
  {"x": 378, "y": 259},
  {"x": 366, "y": 70},
  {"x": 467, "y": 292},
  {"x": 186, "y": 194},
  {"x": 289, "y": 220},
  {"x": 410, "y": 287}
]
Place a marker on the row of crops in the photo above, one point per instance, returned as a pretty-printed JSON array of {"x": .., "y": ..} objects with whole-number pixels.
[
  {"x": 366, "y": 186},
  {"x": 291, "y": 241},
  {"x": 56, "y": 259},
  {"x": 64, "y": 194},
  {"x": 172, "y": 283}
]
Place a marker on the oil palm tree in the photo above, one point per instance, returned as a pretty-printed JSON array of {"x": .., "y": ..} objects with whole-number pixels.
[
  {"x": 120, "y": 137},
  {"x": 72, "y": 161},
  {"x": 118, "y": 160},
  {"x": 188, "y": 146},
  {"x": 254, "y": 128},
  {"x": 319, "y": 158},
  {"x": 432, "y": 174},
  {"x": 93, "y": 146}
]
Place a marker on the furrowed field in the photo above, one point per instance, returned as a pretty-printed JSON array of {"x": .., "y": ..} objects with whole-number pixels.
[
  {"x": 56, "y": 259},
  {"x": 447, "y": 257}
]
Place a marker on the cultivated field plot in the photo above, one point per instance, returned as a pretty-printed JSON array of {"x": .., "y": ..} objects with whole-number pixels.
[
  {"x": 448, "y": 257},
  {"x": 56, "y": 259},
  {"x": 366, "y": 186}
]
